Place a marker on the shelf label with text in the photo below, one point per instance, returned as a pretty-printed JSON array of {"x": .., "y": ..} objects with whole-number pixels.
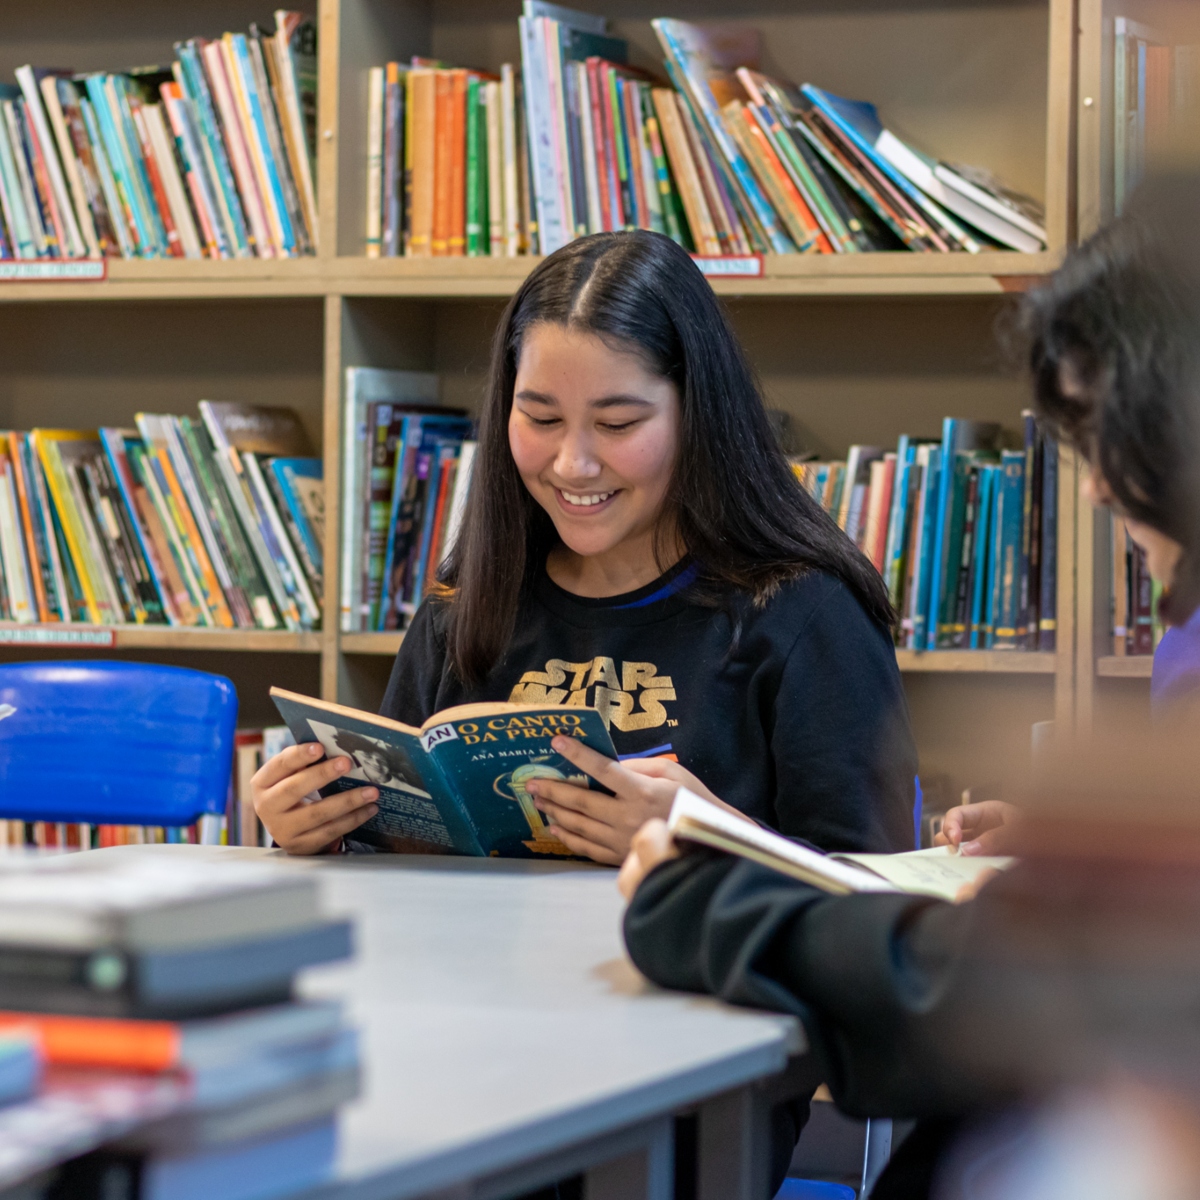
[
  {"x": 72, "y": 271},
  {"x": 48, "y": 635},
  {"x": 730, "y": 266}
]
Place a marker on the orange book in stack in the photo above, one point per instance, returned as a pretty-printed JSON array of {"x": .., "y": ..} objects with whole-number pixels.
[
  {"x": 457, "y": 224},
  {"x": 422, "y": 82},
  {"x": 443, "y": 151}
]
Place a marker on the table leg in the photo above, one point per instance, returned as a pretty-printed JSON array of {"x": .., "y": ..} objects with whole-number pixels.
[
  {"x": 733, "y": 1146},
  {"x": 647, "y": 1173},
  {"x": 634, "y": 1163},
  {"x": 734, "y": 1137}
]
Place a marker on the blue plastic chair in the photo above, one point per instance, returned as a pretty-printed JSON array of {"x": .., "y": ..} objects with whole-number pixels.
[{"x": 116, "y": 743}]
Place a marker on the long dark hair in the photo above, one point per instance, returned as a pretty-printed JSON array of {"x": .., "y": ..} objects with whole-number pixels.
[
  {"x": 735, "y": 503},
  {"x": 1122, "y": 318}
]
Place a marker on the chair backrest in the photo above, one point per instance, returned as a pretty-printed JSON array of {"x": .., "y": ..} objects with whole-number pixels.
[{"x": 114, "y": 742}]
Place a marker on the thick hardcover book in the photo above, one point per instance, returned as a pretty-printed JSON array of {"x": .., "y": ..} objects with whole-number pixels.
[
  {"x": 166, "y": 983},
  {"x": 456, "y": 785}
]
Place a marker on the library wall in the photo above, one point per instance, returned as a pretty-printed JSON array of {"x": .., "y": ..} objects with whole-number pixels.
[
  {"x": 974, "y": 730},
  {"x": 83, "y": 365},
  {"x": 82, "y": 35}
]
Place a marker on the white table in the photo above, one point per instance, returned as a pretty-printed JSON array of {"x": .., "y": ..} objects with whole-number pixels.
[{"x": 508, "y": 1042}]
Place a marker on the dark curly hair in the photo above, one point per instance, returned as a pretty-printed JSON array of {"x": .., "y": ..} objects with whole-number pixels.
[{"x": 1113, "y": 341}]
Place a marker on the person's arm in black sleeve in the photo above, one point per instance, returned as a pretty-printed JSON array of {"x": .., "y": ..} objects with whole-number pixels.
[
  {"x": 845, "y": 760},
  {"x": 864, "y": 973},
  {"x": 412, "y": 689}
]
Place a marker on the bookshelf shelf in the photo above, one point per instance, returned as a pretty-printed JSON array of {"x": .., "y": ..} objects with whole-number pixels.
[
  {"x": 17, "y": 637},
  {"x": 882, "y": 275},
  {"x": 371, "y": 643},
  {"x": 1133, "y": 666},
  {"x": 899, "y": 274},
  {"x": 1008, "y": 662}
]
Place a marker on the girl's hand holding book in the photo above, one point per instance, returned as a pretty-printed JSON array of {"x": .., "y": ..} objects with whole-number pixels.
[
  {"x": 282, "y": 788},
  {"x": 603, "y": 827}
]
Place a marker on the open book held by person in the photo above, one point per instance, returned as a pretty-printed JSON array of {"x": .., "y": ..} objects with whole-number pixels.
[
  {"x": 940, "y": 872},
  {"x": 456, "y": 785}
]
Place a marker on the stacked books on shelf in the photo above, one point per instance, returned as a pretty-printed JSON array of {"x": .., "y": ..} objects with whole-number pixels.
[
  {"x": 251, "y": 748},
  {"x": 215, "y": 522},
  {"x": 209, "y": 830},
  {"x": 1156, "y": 89},
  {"x": 963, "y": 531},
  {"x": 211, "y": 157},
  {"x": 160, "y": 993},
  {"x": 406, "y": 469},
  {"x": 1136, "y": 626},
  {"x": 726, "y": 160}
]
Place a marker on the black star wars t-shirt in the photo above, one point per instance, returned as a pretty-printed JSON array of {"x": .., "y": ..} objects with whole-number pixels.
[{"x": 801, "y": 724}]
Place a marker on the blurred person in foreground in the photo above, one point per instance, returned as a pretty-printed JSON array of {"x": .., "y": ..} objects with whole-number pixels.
[
  {"x": 1112, "y": 341},
  {"x": 952, "y": 1014}
]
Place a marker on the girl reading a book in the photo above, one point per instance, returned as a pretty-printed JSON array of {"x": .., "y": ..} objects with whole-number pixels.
[{"x": 635, "y": 541}]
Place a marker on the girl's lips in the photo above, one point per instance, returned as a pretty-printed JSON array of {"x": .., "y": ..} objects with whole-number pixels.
[{"x": 584, "y": 510}]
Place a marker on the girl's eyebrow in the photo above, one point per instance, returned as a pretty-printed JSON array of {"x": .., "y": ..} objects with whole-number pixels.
[
  {"x": 604, "y": 402},
  {"x": 620, "y": 401}
]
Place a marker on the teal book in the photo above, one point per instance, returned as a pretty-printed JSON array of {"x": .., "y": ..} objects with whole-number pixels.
[
  {"x": 458, "y": 784},
  {"x": 1006, "y": 559},
  {"x": 979, "y": 571}
]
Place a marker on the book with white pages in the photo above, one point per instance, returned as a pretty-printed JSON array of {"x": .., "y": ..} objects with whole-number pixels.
[
  {"x": 939, "y": 872},
  {"x": 960, "y": 198}
]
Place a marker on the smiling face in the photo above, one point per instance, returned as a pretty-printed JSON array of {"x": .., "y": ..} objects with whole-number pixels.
[{"x": 594, "y": 434}]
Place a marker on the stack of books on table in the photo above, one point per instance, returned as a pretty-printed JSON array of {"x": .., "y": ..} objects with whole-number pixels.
[
  {"x": 964, "y": 532},
  {"x": 406, "y": 470},
  {"x": 177, "y": 1061},
  {"x": 213, "y": 522},
  {"x": 721, "y": 157},
  {"x": 209, "y": 157}
]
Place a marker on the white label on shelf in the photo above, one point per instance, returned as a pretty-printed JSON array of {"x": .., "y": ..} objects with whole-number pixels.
[
  {"x": 730, "y": 266},
  {"x": 43, "y": 635},
  {"x": 72, "y": 271}
]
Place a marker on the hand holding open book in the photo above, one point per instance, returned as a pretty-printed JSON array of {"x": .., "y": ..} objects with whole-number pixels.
[{"x": 939, "y": 872}]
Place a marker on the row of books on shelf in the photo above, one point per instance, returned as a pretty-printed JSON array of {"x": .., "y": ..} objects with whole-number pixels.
[
  {"x": 1136, "y": 626},
  {"x": 963, "y": 531},
  {"x": 406, "y": 471},
  {"x": 79, "y": 835},
  {"x": 1156, "y": 89},
  {"x": 211, "y": 157},
  {"x": 721, "y": 157},
  {"x": 152, "y": 1042},
  {"x": 215, "y": 522}
]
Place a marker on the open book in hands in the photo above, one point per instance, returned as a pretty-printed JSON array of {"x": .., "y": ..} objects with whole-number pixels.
[{"x": 940, "y": 872}]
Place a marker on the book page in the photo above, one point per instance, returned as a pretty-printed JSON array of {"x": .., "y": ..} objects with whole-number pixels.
[
  {"x": 940, "y": 871},
  {"x": 695, "y": 819}
]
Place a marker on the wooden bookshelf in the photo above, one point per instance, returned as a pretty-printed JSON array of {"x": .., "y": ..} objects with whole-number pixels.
[{"x": 854, "y": 349}]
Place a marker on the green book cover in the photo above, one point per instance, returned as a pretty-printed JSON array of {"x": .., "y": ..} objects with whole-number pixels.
[
  {"x": 477, "y": 206},
  {"x": 948, "y": 599},
  {"x": 456, "y": 785},
  {"x": 672, "y": 206}
]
